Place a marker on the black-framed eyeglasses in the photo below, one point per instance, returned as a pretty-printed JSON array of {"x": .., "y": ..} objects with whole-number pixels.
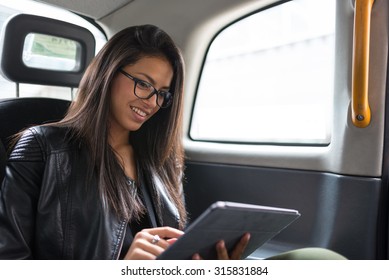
[{"x": 145, "y": 90}]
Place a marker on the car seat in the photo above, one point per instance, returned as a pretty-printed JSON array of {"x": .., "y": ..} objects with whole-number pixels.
[{"x": 17, "y": 114}]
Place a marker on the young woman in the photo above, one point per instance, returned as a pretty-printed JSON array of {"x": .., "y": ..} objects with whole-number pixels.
[{"x": 105, "y": 182}]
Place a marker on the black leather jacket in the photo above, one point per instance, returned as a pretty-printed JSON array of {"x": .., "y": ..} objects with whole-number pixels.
[{"x": 47, "y": 212}]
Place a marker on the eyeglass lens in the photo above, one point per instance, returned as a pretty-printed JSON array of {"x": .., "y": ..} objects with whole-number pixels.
[{"x": 144, "y": 90}]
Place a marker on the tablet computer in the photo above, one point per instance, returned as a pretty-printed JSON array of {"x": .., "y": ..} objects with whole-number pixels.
[{"x": 228, "y": 221}]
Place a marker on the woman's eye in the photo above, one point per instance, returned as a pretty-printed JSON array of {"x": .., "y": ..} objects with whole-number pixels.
[
  {"x": 165, "y": 94},
  {"x": 143, "y": 85}
]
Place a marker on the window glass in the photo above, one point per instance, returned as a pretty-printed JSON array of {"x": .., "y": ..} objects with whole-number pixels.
[
  {"x": 268, "y": 78},
  {"x": 29, "y": 90},
  {"x": 43, "y": 51},
  {"x": 51, "y": 52}
]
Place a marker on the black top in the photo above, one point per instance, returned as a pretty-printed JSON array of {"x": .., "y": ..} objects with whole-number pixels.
[{"x": 146, "y": 221}]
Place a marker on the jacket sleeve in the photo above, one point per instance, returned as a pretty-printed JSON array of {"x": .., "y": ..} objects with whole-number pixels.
[{"x": 19, "y": 195}]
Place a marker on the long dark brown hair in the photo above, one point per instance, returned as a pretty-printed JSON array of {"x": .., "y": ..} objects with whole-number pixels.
[{"x": 157, "y": 144}]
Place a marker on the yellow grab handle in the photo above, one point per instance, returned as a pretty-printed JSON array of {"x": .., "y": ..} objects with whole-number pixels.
[{"x": 361, "y": 114}]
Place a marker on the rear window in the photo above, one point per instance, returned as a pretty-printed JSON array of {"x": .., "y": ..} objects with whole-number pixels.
[{"x": 268, "y": 78}]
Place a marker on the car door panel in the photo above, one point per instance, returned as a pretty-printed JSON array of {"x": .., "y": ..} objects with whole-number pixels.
[{"x": 336, "y": 210}]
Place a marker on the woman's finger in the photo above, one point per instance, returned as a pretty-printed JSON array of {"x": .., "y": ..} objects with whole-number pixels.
[
  {"x": 162, "y": 237},
  {"x": 142, "y": 249},
  {"x": 145, "y": 241},
  {"x": 139, "y": 254},
  {"x": 196, "y": 257},
  {"x": 221, "y": 250},
  {"x": 165, "y": 232},
  {"x": 171, "y": 240},
  {"x": 239, "y": 248}
]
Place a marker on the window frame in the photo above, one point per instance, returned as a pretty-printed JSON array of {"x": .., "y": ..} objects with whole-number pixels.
[{"x": 324, "y": 143}]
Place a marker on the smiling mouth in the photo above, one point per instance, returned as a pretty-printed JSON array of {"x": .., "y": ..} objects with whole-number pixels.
[{"x": 139, "y": 111}]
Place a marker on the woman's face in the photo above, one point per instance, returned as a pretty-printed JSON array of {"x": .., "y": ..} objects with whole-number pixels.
[{"x": 128, "y": 112}]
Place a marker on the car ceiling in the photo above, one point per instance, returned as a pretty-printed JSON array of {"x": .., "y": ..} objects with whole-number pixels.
[
  {"x": 95, "y": 9},
  {"x": 175, "y": 16}
]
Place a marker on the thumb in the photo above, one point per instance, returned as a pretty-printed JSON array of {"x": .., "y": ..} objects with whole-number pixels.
[{"x": 171, "y": 240}]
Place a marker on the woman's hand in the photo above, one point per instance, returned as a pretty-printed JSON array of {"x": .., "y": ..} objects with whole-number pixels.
[
  {"x": 148, "y": 244},
  {"x": 236, "y": 253}
]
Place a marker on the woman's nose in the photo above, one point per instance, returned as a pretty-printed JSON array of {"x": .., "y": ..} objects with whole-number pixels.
[{"x": 152, "y": 101}]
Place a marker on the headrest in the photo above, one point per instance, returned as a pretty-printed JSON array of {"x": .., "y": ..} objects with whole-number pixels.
[{"x": 33, "y": 39}]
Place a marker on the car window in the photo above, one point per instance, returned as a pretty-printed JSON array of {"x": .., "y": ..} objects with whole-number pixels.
[
  {"x": 43, "y": 51},
  {"x": 268, "y": 78}
]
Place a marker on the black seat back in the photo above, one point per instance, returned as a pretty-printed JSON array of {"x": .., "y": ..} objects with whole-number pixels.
[{"x": 17, "y": 114}]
